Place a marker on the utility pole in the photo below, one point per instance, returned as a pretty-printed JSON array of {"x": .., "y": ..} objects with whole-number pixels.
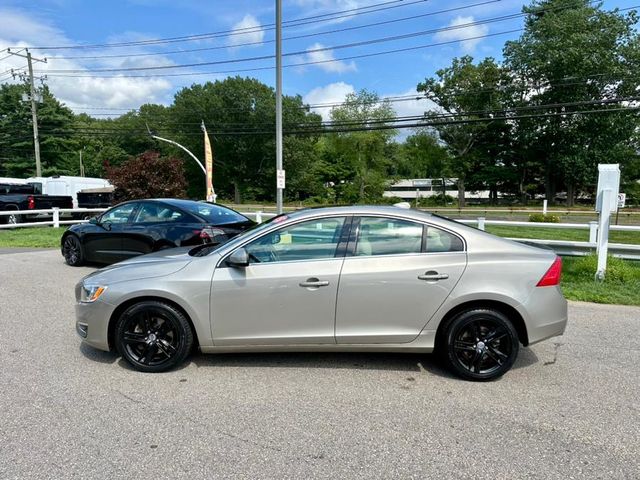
[
  {"x": 34, "y": 105},
  {"x": 280, "y": 179}
]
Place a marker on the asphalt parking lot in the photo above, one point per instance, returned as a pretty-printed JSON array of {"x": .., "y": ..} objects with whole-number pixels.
[{"x": 570, "y": 408}]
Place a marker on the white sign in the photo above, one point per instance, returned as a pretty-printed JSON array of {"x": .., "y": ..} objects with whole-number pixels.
[
  {"x": 280, "y": 179},
  {"x": 608, "y": 179},
  {"x": 622, "y": 199}
]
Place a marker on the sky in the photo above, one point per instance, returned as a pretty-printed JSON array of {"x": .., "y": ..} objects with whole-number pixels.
[{"x": 229, "y": 32}]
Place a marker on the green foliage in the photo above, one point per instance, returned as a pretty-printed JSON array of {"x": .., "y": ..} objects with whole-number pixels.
[
  {"x": 542, "y": 217},
  {"x": 148, "y": 176},
  {"x": 618, "y": 270},
  {"x": 439, "y": 200},
  {"x": 357, "y": 162}
]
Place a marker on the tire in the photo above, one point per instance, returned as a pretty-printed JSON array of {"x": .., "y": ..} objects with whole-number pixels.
[
  {"x": 12, "y": 219},
  {"x": 72, "y": 251},
  {"x": 480, "y": 344},
  {"x": 153, "y": 336}
]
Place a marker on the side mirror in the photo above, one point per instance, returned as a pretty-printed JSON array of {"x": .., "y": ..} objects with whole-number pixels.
[
  {"x": 94, "y": 221},
  {"x": 238, "y": 259}
]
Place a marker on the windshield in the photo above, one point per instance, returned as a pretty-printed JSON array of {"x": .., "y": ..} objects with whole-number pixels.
[
  {"x": 206, "y": 249},
  {"x": 214, "y": 214}
]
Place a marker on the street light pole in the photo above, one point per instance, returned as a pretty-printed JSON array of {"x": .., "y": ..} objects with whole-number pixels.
[
  {"x": 182, "y": 147},
  {"x": 279, "y": 170}
]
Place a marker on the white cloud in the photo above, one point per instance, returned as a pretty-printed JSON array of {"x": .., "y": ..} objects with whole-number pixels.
[
  {"x": 326, "y": 60},
  {"x": 22, "y": 31},
  {"x": 332, "y": 93},
  {"x": 247, "y": 30},
  {"x": 468, "y": 46}
]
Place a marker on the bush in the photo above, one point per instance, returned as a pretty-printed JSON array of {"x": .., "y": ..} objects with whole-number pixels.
[
  {"x": 618, "y": 270},
  {"x": 439, "y": 200},
  {"x": 544, "y": 218}
]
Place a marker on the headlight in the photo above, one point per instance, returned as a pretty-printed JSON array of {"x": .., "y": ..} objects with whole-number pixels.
[{"x": 90, "y": 293}]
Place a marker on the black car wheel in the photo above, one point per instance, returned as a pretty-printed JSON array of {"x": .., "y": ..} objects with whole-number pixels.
[
  {"x": 153, "y": 336},
  {"x": 13, "y": 219},
  {"x": 72, "y": 251},
  {"x": 481, "y": 344}
]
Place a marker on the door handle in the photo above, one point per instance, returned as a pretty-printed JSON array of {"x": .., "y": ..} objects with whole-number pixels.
[
  {"x": 314, "y": 283},
  {"x": 433, "y": 275}
]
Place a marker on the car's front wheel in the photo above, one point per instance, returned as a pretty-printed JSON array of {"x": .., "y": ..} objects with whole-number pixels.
[
  {"x": 481, "y": 344},
  {"x": 153, "y": 336}
]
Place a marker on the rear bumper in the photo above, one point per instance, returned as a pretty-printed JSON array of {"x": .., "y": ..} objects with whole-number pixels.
[{"x": 546, "y": 314}]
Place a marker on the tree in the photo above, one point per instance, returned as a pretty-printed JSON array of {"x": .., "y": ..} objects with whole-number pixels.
[
  {"x": 240, "y": 116},
  {"x": 422, "y": 155},
  {"x": 148, "y": 176},
  {"x": 469, "y": 94},
  {"x": 358, "y": 158},
  {"x": 16, "y": 133},
  {"x": 572, "y": 52}
]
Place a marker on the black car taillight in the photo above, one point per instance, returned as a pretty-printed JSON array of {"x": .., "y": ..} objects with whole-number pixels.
[
  {"x": 31, "y": 202},
  {"x": 208, "y": 234}
]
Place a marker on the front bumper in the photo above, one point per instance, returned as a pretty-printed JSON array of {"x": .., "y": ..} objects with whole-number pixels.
[{"x": 92, "y": 323}]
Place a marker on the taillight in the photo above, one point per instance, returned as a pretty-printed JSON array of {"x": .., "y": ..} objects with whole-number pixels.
[
  {"x": 552, "y": 277},
  {"x": 32, "y": 203},
  {"x": 207, "y": 234}
]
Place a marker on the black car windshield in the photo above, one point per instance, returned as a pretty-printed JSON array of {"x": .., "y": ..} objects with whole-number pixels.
[{"x": 214, "y": 214}]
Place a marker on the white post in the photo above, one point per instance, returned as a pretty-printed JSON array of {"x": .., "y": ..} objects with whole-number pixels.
[
  {"x": 56, "y": 217},
  {"x": 544, "y": 207},
  {"x": 593, "y": 232},
  {"x": 258, "y": 216},
  {"x": 603, "y": 233},
  {"x": 481, "y": 223}
]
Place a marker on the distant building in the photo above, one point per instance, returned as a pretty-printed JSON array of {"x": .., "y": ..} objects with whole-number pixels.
[{"x": 413, "y": 188}]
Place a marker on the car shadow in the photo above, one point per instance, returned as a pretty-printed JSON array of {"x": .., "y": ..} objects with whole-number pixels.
[
  {"x": 399, "y": 362},
  {"x": 96, "y": 355},
  {"x": 382, "y": 361}
]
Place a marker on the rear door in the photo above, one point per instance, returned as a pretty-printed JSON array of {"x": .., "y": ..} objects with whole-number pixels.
[{"x": 396, "y": 275}]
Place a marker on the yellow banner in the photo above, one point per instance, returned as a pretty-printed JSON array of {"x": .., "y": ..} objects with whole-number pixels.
[{"x": 208, "y": 161}]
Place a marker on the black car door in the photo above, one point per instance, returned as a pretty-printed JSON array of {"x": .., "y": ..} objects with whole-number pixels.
[
  {"x": 157, "y": 225},
  {"x": 104, "y": 243}
]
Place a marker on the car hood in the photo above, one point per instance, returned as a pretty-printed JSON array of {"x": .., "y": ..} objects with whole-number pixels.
[{"x": 157, "y": 264}]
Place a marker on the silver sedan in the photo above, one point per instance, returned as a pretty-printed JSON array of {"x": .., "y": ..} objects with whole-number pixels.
[{"x": 334, "y": 279}]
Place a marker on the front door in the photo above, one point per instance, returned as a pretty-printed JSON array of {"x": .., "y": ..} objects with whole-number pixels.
[
  {"x": 397, "y": 275},
  {"x": 104, "y": 243},
  {"x": 287, "y": 295}
]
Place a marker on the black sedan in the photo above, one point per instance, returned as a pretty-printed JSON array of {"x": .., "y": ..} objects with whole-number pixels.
[{"x": 143, "y": 226}]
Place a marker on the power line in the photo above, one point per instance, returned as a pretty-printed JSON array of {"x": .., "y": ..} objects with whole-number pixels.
[
  {"x": 322, "y": 49},
  {"x": 300, "y": 64},
  {"x": 296, "y": 37},
  {"x": 384, "y": 6},
  {"x": 488, "y": 115}
]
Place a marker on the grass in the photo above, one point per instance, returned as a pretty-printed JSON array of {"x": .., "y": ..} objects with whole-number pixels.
[
  {"x": 36, "y": 237},
  {"x": 577, "y": 235},
  {"x": 621, "y": 285}
]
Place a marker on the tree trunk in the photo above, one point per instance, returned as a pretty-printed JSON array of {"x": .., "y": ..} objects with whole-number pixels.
[
  {"x": 237, "y": 194},
  {"x": 571, "y": 192},
  {"x": 461, "y": 201}
]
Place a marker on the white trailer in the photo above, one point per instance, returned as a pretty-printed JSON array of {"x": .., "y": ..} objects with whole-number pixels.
[{"x": 65, "y": 185}]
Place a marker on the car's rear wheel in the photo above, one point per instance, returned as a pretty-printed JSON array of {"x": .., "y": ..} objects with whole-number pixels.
[
  {"x": 153, "y": 336},
  {"x": 481, "y": 344},
  {"x": 72, "y": 251}
]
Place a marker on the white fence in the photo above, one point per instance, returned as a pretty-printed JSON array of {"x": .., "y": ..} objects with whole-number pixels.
[{"x": 562, "y": 247}]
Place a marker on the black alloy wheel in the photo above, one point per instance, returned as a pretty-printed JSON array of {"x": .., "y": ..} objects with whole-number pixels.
[
  {"x": 153, "y": 336},
  {"x": 481, "y": 344},
  {"x": 72, "y": 251}
]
